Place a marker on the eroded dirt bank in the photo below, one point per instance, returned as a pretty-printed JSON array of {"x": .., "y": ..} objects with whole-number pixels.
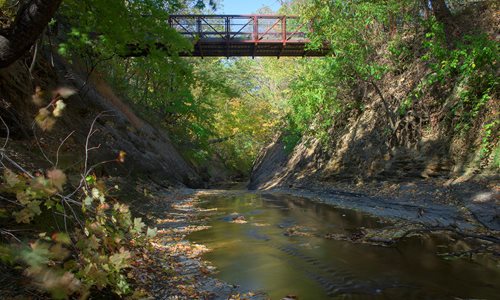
[
  {"x": 95, "y": 112},
  {"x": 444, "y": 199}
]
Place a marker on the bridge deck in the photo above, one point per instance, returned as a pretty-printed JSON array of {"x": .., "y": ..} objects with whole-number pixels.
[{"x": 244, "y": 35}]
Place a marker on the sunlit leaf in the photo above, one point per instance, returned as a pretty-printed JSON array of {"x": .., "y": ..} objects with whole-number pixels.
[
  {"x": 57, "y": 178},
  {"x": 152, "y": 232},
  {"x": 65, "y": 92},
  {"x": 121, "y": 156},
  {"x": 120, "y": 260},
  {"x": 11, "y": 179},
  {"x": 95, "y": 193},
  {"x": 44, "y": 120},
  {"x": 88, "y": 201},
  {"x": 61, "y": 237},
  {"x": 60, "y": 105},
  {"x": 138, "y": 225}
]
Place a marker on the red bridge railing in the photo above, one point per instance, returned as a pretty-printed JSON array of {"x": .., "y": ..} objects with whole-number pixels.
[{"x": 244, "y": 35}]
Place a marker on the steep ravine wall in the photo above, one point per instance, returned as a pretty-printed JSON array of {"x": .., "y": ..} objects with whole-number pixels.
[
  {"x": 150, "y": 154},
  {"x": 361, "y": 154},
  {"x": 359, "y": 148},
  {"x": 384, "y": 140}
]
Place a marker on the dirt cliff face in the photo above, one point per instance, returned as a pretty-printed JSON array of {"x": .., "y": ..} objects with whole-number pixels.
[
  {"x": 271, "y": 161},
  {"x": 361, "y": 147},
  {"x": 150, "y": 154},
  {"x": 360, "y": 151}
]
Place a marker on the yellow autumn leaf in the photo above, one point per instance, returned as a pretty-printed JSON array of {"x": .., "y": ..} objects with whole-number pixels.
[
  {"x": 60, "y": 105},
  {"x": 121, "y": 156},
  {"x": 44, "y": 120}
]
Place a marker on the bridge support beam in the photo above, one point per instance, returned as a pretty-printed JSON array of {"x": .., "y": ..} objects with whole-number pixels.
[{"x": 245, "y": 35}]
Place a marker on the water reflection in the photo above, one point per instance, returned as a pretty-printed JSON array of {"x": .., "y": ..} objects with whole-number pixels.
[{"x": 259, "y": 255}]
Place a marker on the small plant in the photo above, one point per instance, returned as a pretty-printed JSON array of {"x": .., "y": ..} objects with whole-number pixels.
[
  {"x": 490, "y": 131},
  {"x": 100, "y": 237},
  {"x": 471, "y": 64},
  {"x": 96, "y": 254},
  {"x": 46, "y": 117},
  {"x": 399, "y": 50}
]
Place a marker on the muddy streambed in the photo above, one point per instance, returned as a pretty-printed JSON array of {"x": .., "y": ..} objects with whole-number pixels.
[{"x": 277, "y": 244}]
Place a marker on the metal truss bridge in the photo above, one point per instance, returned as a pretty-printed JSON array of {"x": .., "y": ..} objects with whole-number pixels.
[{"x": 244, "y": 35}]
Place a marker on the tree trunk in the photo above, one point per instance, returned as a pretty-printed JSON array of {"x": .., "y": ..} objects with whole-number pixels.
[
  {"x": 441, "y": 10},
  {"x": 444, "y": 16},
  {"x": 27, "y": 27},
  {"x": 426, "y": 9}
]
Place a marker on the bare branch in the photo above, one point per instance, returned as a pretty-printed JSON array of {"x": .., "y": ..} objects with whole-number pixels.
[
  {"x": 33, "y": 128},
  {"x": 27, "y": 27},
  {"x": 35, "y": 55},
  {"x": 87, "y": 141},
  {"x": 5, "y": 232},
  {"x": 2, "y": 153},
  {"x": 59, "y": 148},
  {"x": 8, "y": 133},
  {"x": 10, "y": 201}
]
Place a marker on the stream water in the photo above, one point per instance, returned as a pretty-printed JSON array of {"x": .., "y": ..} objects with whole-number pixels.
[{"x": 282, "y": 250}]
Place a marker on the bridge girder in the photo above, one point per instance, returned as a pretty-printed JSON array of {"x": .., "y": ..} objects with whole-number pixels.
[{"x": 245, "y": 35}]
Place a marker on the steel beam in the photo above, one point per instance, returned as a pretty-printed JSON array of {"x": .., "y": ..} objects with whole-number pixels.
[{"x": 244, "y": 35}]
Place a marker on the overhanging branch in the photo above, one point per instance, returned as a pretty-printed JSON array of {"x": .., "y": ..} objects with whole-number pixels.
[{"x": 29, "y": 24}]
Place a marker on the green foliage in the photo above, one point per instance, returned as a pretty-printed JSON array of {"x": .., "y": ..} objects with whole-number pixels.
[
  {"x": 8, "y": 8},
  {"x": 313, "y": 99},
  {"x": 490, "y": 135},
  {"x": 496, "y": 157},
  {"x": 181, "y": 94},
  {"x": 349, "y": 29},
  {"x": 95, "y": 255},
  {"x": 196, "y": 101},
  {"x": 321, "y": 91},
  {"x": 399, "y": 50},
  {"x": 291, "y": 138},
  {"x": 101, "y": 33},
  {"x": 357, "y": 34},
  {"x": 240, "y": 101},
  {"x": 471, "y": 66},
  {"x": 32, "y": 193},
  {"x": 110, "y": 27},
  {"x": 400, "y": 53},
  {"x": 240, "y": 109}
]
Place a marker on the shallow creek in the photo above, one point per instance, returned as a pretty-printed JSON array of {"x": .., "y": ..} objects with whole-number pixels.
[{"x": 277, "y": 244}]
